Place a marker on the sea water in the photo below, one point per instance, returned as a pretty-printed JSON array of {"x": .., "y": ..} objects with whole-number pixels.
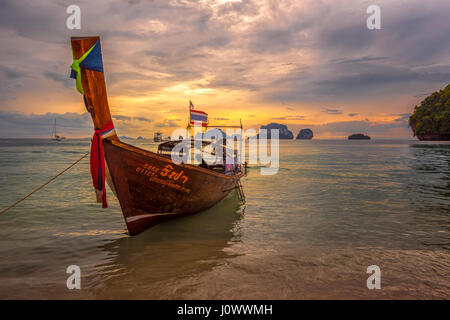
[{"x": 334, "y": 208}]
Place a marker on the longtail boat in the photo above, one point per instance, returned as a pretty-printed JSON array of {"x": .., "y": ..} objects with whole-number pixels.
[{"x": 150, "y": 187}]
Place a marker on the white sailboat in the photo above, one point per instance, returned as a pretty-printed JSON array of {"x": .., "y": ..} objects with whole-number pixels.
[{"x": 55, "y": 136}]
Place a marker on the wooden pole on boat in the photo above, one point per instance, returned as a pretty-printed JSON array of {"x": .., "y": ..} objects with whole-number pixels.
[{"x": 93, "y": 85}]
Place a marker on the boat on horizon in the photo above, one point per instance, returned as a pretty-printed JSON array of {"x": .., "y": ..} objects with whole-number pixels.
[
  {"x": 157, "y": 137},
  {"x": 54, "y": 136},
  {"x": 150, "y": 187}
]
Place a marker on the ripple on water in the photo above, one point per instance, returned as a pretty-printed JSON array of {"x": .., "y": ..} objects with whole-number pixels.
[{"x": 334, "y": 208}]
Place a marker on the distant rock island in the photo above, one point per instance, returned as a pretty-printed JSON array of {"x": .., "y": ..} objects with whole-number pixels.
[
  {"x": 284, "y": 132},
  {"x": 358, "y": 136},
  {"x": 431, "y": 120},
  {"x": 124, "y": 137},
  {"x": 305, "y": 134},
  {"x": 140, "y": 138}
]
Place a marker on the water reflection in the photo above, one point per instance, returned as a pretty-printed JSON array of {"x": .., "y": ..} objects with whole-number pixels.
[
  {"x": 431, "y": 163},
  {"x": 429, "y": 189},
  {"x": 142, "y": 265}
]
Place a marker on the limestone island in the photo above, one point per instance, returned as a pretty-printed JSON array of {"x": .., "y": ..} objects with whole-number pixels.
[
  {"x": 284, "y": 132},
  {"x": 305, "y": 134},
  {"x": 358, "y": 136},
  {"x": 431, "y": 120}
]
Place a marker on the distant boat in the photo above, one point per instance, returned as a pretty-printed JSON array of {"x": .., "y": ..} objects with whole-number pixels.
[
  {"x": 55, "y": 136},
  {"x": 358, "y": 136},
  {"x": 157, "y": 137}
]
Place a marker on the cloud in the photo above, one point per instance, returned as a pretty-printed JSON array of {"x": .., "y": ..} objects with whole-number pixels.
[
  {"x": 332, "y": 111},
  {"x": 70, "y": 124},
  {"x": 9, "y": 73},
  {"x": 288, "y": 117},
  {"x": 17, "y": 125},
  {"x": 127, "y": 118},
  {"x": 352, "y": 114},
  {"x": 167, "y": 124},
  {"x": 364, "y": 59},
  {"x": 420, "y": 95},
  {"x": 248, "y": 54},
  {"x": 62, "y": 78}
]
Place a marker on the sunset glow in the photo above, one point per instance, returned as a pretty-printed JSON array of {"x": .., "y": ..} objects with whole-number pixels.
[{"x": 304, "y": 64}]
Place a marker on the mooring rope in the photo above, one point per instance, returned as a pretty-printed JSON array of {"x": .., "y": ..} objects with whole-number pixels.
[{"x": 39, "y": 188}]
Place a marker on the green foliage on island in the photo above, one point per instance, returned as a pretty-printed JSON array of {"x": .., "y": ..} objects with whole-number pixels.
[
  {"x": 431, "y": 120},
  {"x": 358, "y": 136}
]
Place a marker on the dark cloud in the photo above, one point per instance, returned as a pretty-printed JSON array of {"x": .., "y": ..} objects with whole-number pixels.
[
  {"x": 127, "y": 118},
  {"x": 364, "y": 59},
  {"x": 332, "y": 111},
  {"x": 366, "y": 81},
  {"x": 403, "y": 115},
  {"x": 214, "y": 42},
  {"x": 352, "y": 114},
  {"x": 34, "y": 20},
  {"x": 13, "y": 124},
  {"x": 10, "y": 73},
  {"x": 17, "y": 125},
  {"x": 58, "y": 77},
  {"x": 288, "y": 117},
  {"x": 290, "y": 52},
  {"x": 420, "y": 95},
  {"x": 166, "y": 124}
]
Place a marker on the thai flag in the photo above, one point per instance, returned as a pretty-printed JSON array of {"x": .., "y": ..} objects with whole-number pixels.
[{"x": 199, "y": 117}]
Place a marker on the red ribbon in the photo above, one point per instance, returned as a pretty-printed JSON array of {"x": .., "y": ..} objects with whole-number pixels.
[{"x": 98, "y": 160}]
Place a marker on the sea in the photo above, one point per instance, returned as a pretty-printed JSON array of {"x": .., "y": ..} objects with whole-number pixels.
[{"x": 311, "y": 231}]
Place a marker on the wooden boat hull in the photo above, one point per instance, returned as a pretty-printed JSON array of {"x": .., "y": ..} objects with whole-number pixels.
[{"x": 152, "y": 189}]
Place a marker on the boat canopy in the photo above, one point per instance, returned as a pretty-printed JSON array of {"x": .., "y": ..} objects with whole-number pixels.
[{"x": 169, "y": 145}]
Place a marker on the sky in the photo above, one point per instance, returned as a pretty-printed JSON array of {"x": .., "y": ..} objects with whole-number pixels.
[{"x": 306, "y": 64}]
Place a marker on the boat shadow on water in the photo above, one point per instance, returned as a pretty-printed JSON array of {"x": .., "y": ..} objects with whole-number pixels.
[{"x": 143, "y": 265}]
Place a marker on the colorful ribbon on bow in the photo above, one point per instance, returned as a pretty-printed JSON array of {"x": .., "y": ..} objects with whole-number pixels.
[
  {"x": 98, "y": 162},
  {"x": 91, "y": 60}
]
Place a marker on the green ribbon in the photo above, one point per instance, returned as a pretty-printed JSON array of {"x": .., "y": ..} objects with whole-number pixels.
[{"x": 76, "y": 67}]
